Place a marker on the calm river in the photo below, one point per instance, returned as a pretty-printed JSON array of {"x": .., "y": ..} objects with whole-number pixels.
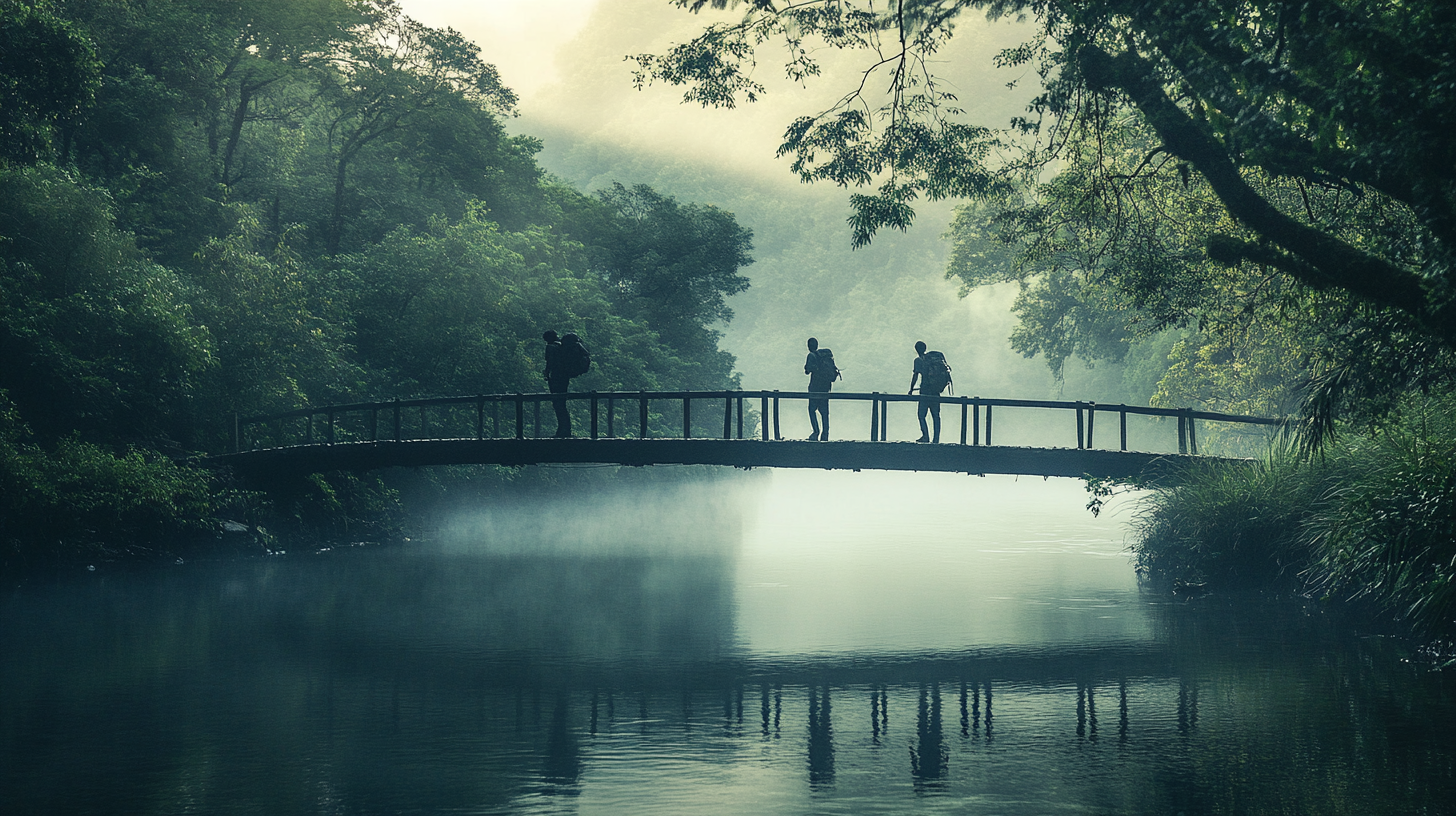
[{"x": 788, "y": 642}]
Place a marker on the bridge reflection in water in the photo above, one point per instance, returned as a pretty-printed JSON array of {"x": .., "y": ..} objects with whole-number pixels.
[{"x": 682, "y": 427}]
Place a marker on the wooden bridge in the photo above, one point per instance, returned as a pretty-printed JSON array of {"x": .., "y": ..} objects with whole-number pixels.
[{"x": 682, "y": 427}]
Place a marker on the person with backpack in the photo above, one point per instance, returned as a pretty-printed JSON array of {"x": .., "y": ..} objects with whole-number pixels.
[
  {"x": 566, "y": 357},
  {"x": 822, "y": 371},
  {"x": 933, "y": 373}
]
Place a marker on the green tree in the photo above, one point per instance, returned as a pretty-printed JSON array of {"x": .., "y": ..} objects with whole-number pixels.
[
  {"x": 460, "y": 306},
  {"x": 48, "y": 75},
  {"x": 674, "y": 265},
  {"x": 277, "y": 343},
  {"x": 391, "y": 72},
  {"x": 274, "y": 42},
  {"x": 96, "y": 337}
]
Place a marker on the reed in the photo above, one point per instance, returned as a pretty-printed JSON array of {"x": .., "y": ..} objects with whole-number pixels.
[{"x": 1370, "y": 521}]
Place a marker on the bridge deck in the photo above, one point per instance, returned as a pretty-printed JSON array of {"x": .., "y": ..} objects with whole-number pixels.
[{"x": 835, "y": 455}]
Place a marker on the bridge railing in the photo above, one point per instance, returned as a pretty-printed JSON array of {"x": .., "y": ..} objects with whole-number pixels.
[{"x": 630, "y": 414}]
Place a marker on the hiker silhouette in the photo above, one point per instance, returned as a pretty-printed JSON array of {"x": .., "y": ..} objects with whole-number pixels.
[
  {"x": 822, "y": 371},
  {"x": 934, "y": 375},
  {"x": 566, "y": 357}
]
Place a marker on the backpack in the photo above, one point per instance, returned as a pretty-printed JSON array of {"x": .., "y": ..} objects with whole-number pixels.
[
  {"x": 825, "y": 371},
  {"x": 936, "y": 375},
  {"x": 575, "y": 359}
]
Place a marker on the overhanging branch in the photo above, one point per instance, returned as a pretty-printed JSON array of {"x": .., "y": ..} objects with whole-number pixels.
[{"x": 1325, "y": 260}]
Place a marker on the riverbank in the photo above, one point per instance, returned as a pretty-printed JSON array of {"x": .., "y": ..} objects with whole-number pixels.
[{"x": 1370, "y": 522}]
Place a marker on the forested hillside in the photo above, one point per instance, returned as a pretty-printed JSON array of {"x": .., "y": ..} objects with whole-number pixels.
[{"x": 218, "y": 208}]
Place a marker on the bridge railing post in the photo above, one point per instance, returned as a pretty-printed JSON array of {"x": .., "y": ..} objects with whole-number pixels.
[
  {"x": 975, "y": 420},
  {"x": 875, "y": 417},
  {"x": 687, "y": 418},
  {"x": 495, "y": 419},
  {"x": 763, "y": 417},
  {"x": 1182, "y": 431},
  {"x": 740, "y": 416},
  {"x": 728, "y": 417},
  {"x": 884, "y": 420},
  {"x": 611, "y": 417},
  {"x": 989, "y": 406},
  {"x": 777, "y": 434},
  {"x": 1192, "y": 434},
  {"x": 520, "y": 416},
  {"x": 1122, "y": 423},
  {"x": 593, "y": 415},
  {"x": 1079, "y": 426},
  {"x": 964, "y": 408},
  {"x": 642, "y": 415},
  {"x": 1091, "y": 419}
]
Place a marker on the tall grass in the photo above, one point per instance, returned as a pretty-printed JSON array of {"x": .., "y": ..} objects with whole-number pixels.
[
  {"x": 1372, "y": 520},
  {"x": 1388, "y": 536},
  {"x": 1230, "y": 525}
]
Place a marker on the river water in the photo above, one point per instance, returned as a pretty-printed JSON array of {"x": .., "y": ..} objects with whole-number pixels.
[{"x": 786, "y": 642}]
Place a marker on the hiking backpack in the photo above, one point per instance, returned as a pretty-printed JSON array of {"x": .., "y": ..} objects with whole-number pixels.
[
  {"x": 825, "y": 371},
  {"x": 936, "y": 375},
  {"x": 575, "y": 359}
]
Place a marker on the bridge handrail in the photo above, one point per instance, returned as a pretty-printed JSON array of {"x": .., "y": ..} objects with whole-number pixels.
[
  {"x": 542, "y": 396},
  {"x": 971, "y": 412}
]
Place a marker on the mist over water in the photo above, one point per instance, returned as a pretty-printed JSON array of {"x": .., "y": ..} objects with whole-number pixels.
[
  {"x": 781, "y": 642},
  {"x": 901, "y": 562}
]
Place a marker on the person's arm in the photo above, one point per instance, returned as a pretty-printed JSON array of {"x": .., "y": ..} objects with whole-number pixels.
[{"x": 913, "y": 377}]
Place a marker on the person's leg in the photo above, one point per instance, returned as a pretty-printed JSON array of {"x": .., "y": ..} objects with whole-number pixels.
[
  {"x": 813, "y": 421},
  {"x": 563, "y": 416},
  {"x": 935, "y": 415},
  {"x": 920, "y": 414},
  {"x": 824, "y": 409}
]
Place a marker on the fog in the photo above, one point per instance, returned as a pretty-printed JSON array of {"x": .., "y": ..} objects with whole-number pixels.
[
  {"x": 568, "y": 61},
  {"x": 799, "y": 563}
]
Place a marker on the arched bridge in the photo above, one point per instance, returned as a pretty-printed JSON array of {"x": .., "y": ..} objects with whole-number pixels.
[{"x": 737, "y": 428}]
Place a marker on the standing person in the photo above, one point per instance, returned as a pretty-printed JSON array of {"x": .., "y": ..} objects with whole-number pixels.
[
  {"x": 934, "y": 375},
  {"x": 557, "y": 381},
  {"x": 822, "y": 371}
]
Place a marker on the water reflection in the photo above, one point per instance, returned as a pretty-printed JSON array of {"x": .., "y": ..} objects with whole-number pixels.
[
  {"x": 929, "y": 758},
  {"x": 501, "y": 680},
  {"x": 821, "y": 738}
]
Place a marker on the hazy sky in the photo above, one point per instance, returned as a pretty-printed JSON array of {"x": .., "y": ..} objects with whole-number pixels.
[{"x": 566, "y": 60}]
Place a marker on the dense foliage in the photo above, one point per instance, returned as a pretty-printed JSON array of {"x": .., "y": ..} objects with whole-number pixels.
[
  {"x": 210, "y": 209},
  {"x": 1370, "y": 521}
]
